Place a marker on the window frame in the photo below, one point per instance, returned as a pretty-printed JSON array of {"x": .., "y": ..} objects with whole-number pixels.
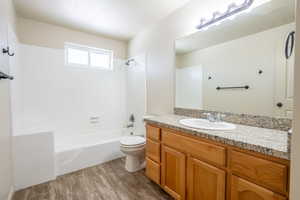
[{"x": 89, "y": 50}]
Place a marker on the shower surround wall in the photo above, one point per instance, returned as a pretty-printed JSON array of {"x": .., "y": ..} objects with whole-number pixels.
[
  {"x": 63, "y": 99},
  {"x": 136, "y": 91},
  {"x": 78, "y": 114}
]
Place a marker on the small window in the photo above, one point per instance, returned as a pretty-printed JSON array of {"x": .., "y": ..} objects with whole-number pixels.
[
  {"x": 77, "y": 55},
  {"x": 101, "y": 59}
]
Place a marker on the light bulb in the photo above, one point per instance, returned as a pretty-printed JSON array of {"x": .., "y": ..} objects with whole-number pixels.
[{"x": 232, "y": 10}]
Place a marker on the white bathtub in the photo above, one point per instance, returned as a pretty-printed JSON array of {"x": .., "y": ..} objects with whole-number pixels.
[{"x": 81, "y": 151}]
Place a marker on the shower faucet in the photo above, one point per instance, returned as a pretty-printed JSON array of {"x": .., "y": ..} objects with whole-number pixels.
[
  {"x": 132, "y": 120},
  {"x": 130, "y": 125}
]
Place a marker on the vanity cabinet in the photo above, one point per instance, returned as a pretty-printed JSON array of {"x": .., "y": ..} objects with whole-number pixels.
[{"x": 193, "y": 168}]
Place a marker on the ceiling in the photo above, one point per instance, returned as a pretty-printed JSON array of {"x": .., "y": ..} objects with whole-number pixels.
[
  {"x": 265, "y": 16},
  {"x": 119, "y": 19}
]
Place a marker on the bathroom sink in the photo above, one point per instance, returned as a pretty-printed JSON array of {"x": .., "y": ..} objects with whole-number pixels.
[{"x": 205, "y": 124}]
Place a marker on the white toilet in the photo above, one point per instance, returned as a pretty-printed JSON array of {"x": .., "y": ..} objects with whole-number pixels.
[{"x": 134, "y": 149}]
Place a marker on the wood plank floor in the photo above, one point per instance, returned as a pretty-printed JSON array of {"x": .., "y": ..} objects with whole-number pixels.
[{"x": 108, "y": 181}]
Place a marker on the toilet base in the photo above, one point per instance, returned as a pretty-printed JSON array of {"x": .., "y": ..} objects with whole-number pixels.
[{"x": 134, "y": 163}]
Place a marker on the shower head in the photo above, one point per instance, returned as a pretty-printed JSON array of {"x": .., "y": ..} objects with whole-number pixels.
[{"x": 129, "y": 61}]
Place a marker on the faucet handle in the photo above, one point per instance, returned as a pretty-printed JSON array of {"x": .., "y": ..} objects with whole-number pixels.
[
  {"x": 207, "y": 114},
  {"x": 210, "y": 117},
  {"x": 220, "y": 116}
]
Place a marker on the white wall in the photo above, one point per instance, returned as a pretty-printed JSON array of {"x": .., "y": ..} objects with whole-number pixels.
[
  {"x": 236, "y": 63},
  {"x": 52, "y": 36},
  {"x": 158, "y": 42},
  {"x": 189, "y": 91},
  {"x": 7, "y": 27},
  {"x": 295, "y": 149},
  {"x": 59, "y": 98}
]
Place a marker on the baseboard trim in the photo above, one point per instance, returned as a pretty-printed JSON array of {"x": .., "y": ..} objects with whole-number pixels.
[{"x": 11, "y": 193}]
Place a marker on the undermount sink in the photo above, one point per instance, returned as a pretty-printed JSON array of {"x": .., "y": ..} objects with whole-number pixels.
[{"x": 205, "y": 124}]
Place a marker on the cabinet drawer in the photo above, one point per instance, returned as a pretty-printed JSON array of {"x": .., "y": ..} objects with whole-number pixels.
[
  {"x": 197, "y": 148},
  {"x": 153, "y": 132},
  {"x": 262, "y": 171},
  {"x": 153, "y": 170},
  {"x": 153, "y": 150}
]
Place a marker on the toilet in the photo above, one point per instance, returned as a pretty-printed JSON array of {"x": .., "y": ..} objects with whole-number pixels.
[{"x": 134, "y": 149}]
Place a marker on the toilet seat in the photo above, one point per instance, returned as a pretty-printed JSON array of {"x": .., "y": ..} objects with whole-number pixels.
[{"x": 133, "y": 141}]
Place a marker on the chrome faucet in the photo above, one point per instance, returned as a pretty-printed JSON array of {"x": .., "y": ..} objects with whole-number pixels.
[
  {"x": 214, "y": 117},
  {"x": 210, "y": 117}
]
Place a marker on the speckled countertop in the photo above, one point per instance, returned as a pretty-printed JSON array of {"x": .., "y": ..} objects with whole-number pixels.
[{"x": 266, "y": 141}]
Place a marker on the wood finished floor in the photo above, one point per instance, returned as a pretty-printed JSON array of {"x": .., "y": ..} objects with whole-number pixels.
[{"x": 108, "y": 181}]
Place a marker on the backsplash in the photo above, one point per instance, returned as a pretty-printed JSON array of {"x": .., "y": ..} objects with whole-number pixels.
[{"x": 244, "y": 119}]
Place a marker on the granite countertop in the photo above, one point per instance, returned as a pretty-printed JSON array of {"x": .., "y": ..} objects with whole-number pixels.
[{"x": 266, "y": 141}]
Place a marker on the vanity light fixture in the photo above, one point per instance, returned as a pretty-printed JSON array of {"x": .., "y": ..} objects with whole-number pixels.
[{"x": 232, "y": 9}]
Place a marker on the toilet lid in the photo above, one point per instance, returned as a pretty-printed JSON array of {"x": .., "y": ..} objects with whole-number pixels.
[{"x": 132, "y": 140}]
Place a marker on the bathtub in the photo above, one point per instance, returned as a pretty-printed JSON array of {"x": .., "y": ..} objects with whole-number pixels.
[{"x": 85, "y": 150}]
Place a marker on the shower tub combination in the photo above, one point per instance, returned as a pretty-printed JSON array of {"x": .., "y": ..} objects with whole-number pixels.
[
  {"x": 42, "y": 156},
  {"x": 81, "y": 151}
]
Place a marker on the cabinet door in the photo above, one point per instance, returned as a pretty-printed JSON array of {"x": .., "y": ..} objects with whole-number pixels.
[
  {"x": 173, "y": 172},
  {"x": 204, "y": 181},
  {"x": 244, "y": 190}
]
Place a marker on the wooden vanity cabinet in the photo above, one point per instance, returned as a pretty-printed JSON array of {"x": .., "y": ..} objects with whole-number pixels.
[{"x": 192, "y": 168}]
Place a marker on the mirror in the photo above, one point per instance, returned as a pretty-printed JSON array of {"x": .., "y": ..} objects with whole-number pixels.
[{"x": 240, "y": 65}]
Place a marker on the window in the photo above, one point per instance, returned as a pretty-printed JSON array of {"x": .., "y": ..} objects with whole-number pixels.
[
  {"x": 100, "y": 59},
  {"x": 82, "y": 56},
  {"x": 79, "y": 57}
]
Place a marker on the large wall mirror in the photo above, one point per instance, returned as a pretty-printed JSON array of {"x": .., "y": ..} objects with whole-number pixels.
[{"x": 240, "y": 65}]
